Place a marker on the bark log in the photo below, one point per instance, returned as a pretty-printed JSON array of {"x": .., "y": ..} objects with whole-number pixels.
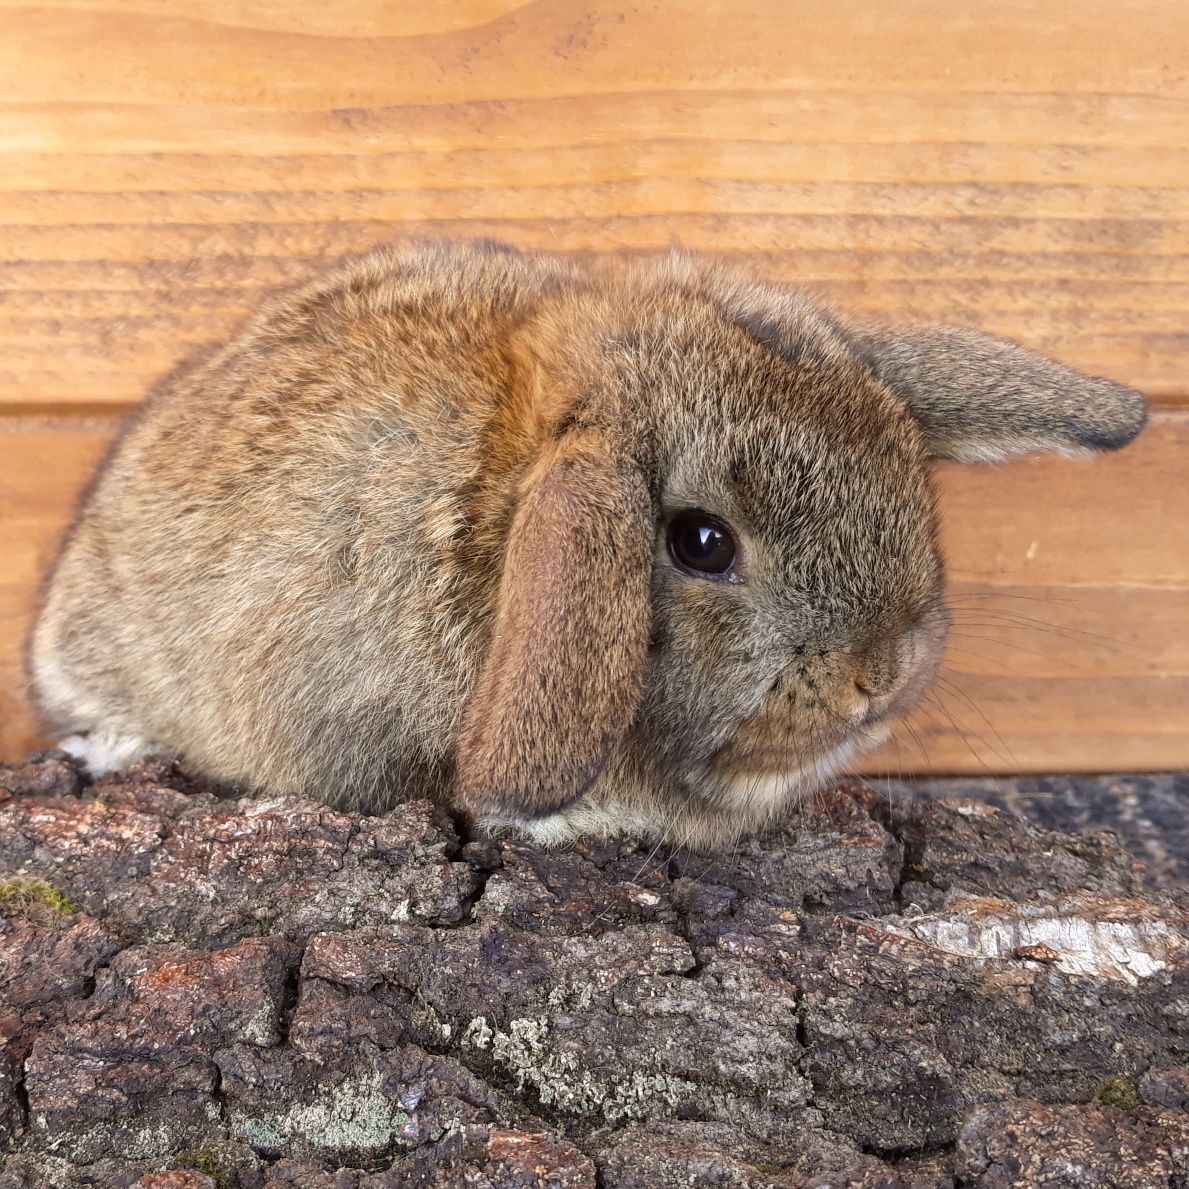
[{"x": 922, "y": 992}]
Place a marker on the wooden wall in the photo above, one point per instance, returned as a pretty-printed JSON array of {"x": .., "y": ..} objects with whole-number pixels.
[{"x": 1022, "y": 166}]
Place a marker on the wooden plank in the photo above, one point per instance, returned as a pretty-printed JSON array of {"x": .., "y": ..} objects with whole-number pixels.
[
  {"x": 161, "y": 166},
  {"x": 41, "y": 473},
  {"x": 1070, "y": 595}
]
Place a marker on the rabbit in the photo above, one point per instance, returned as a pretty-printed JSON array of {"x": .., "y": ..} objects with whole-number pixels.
[{"x": 626, "y": 546}]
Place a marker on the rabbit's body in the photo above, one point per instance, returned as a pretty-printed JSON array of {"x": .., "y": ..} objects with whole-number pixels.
[
  {"x": 407, "y": 536},
  {"x": 327, "y": 499}
]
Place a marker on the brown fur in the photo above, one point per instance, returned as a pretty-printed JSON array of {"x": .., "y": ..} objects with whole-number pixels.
[
  {"x": 406, "y": 535},
  {"x": 549, "y": 707}
]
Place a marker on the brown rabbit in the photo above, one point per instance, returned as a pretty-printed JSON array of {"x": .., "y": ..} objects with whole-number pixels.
[{"x": 635, "y": 546}]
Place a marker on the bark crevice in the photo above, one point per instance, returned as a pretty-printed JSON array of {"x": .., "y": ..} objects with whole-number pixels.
[{"x": 924, "y": 992}]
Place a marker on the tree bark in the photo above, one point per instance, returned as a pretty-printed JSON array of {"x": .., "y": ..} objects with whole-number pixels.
[{"x": 198, "y": 991}]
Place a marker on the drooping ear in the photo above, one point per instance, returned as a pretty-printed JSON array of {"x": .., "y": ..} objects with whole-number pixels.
[
  {"x": 980, "y": 399},
  {"x": 563, "y": 678}
]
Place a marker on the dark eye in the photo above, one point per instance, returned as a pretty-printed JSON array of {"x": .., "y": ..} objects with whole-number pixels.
[{"x": 700, "y": 543}]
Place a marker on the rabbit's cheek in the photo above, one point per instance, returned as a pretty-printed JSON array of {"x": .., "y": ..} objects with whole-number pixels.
[{"x": 796, "y": 730}]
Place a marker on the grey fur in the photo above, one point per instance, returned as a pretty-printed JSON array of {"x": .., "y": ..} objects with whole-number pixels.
[{"x": 980, "y": 399}]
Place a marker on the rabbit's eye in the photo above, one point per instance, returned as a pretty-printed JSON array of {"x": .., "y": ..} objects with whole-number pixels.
[{"x": 700, "y": 543}]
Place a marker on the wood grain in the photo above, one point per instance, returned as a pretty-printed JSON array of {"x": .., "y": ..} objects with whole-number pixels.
[
  {"x": 1015, "y": 168},
  {"x": 1070, "y": 589},
  {"x": 1022, "y": 167}
]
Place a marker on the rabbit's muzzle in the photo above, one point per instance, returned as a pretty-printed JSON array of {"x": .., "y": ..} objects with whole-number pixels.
[{"x": 824, "y": 709}]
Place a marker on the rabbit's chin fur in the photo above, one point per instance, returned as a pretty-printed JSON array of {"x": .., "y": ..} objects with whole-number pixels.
[{"x": 740, "y": 804}]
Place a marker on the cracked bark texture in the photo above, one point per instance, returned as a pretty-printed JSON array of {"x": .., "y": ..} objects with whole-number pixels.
[{"x": 921, "y": 992}]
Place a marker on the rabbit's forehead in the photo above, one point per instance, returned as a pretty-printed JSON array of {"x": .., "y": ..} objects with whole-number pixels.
[
  {"x": 813, "y": 452},
  {"x": 781, "y": 461},
  {"x": 815, "y": 499}
]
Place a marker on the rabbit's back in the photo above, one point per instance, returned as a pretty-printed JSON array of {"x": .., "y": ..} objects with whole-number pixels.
[{"x": 281, "y": 540}]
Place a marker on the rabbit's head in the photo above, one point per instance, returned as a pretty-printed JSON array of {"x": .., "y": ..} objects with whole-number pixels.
[{"x": 723, "y": 569}]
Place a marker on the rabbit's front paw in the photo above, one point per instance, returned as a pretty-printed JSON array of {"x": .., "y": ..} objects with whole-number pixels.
[{"x": 103, "y": 751}]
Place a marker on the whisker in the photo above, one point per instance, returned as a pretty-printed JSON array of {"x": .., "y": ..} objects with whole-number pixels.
[
  {"x": 907, "y": 725},
  {"x": 924, "y": 709},
  {"x": 1030, "y": 623},
  {"x": 634, "y": 881},
  {"x": 965, "y": 733},
  {"x": 1044, "y": 656},
  {"x": 953, "y": 596},
  {"x": 946, "y": 685}
]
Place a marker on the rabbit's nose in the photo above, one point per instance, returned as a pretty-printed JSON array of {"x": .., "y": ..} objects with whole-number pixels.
[
  {"x": 869, "y": 705},
  {"x": 881, "y": 673},
  {"x": 859, "y": 707},
  {"x": 885, "y": 668},
  {"x": 871, "y": 687}
]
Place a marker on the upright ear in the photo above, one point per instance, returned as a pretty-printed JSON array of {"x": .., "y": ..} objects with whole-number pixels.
[
  {"x": 564, "y": 675},
  {"x": 980, "y": 399}
]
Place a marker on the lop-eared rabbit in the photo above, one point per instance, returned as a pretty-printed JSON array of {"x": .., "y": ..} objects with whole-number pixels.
[{"x": 636, "y": 546}]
